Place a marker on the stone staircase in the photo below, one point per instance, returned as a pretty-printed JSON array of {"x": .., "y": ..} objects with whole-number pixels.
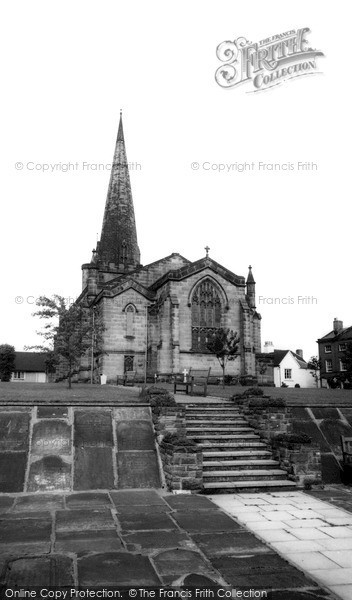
[{"x": 235, "y": 458}]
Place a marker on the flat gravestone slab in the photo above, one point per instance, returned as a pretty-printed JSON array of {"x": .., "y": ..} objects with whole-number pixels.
[
  {"x": 48, "y": 474},
  {"x": 195, "y": 580},
  {"x": 332, "y": 429},
  {"x": 5, "y": 503},
  {"x": 86, "y": 542},
  {"x": 203, "y": 521},
  {"x": 135, "y": 435},
  {"x": 325, "y": 413},
  {"x": 310, "y": 428},
  {"x": 312, "y": 594},
  {"x": 93, "y": 428},
  {"x": 245, "y": 565},
  {"x": 172, "y": 564},
  {"x": 93, "y": 469},
  {"x": 137, "y": 470},
  {"x": 136, "y": 498},
  {"x": 116, "y": 569},
  {"x": 45, "y": 514},
  {"x": 39, "y": 502},
  {"x": 331, "y": 472},
  {"x": 132, "y": 413},
  {"x": 88, "y": 500},
  {"x": 219, "y": 544},
  {"x": 146, "y": 541},
  {"x": 145, "y": 521},
  {"x": 42, "y": 571},
  {"x": 28, "y": 530},
  {"x": 51, "y": 437},
  {"x": 190, "y": 502},
  {"x": 12, "y": 471},
  {"x": 272, "y": 579},
  {"x": 84, "y": 519},
  {"x": 14, "y": 432},
  {"x": 134, "y": 510},
  {"x": 52, "y": 412}
]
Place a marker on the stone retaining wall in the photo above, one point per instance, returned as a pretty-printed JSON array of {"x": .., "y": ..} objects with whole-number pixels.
[
  {"x": 301, "y": 461},
  {"x": 183, "y": 466}
]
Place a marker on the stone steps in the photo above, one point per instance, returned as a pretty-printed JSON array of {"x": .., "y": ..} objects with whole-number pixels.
[
  {"x": 239, "y": 464},
  {"x": 194, "y": 422},
  {"x": 235, "y": 457},
  {"x": 218, "y": 430},
  {"x": 251, "y": 486}
]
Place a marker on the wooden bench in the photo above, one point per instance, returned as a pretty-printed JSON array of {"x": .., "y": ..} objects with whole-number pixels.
[
  {"x": 346, "y": 446},
  {"x": 129, "y": 378},
  {"x": 195, "y": 378}
]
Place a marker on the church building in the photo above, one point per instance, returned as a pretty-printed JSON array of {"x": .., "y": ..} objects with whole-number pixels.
[{"x": 158, "y": 317}]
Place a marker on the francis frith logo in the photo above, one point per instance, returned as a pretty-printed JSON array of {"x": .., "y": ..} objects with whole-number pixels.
[{"x": 266, "y": 63}]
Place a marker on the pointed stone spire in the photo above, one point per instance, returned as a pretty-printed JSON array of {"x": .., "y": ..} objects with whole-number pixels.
[
  {"x": 250, "y": 278},
  {"x": 118, "y": 241},
  {"x": 250, "y": 284}
]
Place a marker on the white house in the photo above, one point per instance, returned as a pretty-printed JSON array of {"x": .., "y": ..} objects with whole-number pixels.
[
  {"x": 30, "y": 367},
  {"x": 291, "y": 369}
]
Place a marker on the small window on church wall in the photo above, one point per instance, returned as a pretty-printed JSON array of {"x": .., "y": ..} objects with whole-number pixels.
[
  {"x": 206, "y": 314},
  {"x": 130, "y": 320}
]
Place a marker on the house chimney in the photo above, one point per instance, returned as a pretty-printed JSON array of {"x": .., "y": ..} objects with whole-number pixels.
[
  {"x": 337, "y": 326},
  {"x": 299, "y": 352},
  {"x": 268, "y": 347}
]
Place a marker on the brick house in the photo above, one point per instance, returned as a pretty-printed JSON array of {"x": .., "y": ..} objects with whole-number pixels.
[
  {"x": 158, "y": 317},
  {"x": 331, "y": 355}
]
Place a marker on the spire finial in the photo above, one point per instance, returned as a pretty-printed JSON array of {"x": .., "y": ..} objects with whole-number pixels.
[{"x": 207, "y": 251}]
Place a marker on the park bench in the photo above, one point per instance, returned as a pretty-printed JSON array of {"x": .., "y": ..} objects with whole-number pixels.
[
  {"x": 196, "y": 378},
  {"x": 346, "y": 446},
  {"x": 129, "y": 378}
]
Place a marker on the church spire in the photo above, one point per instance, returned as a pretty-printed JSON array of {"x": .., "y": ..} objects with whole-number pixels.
[{"x": 118, "y": 242}]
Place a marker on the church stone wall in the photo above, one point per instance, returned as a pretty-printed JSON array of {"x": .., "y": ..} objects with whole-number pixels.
[
  {"x": 178, "y": 355},
  {"x": 117, "y": 343}
]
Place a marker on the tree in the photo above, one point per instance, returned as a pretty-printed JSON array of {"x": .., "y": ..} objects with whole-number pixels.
[
  {"x": 314, "y": 364},
  {"x": 262, "y": 368},
  {"x": 224, "y": 344},
  {"x": 7, "y": 361},
  {"x": 69, "y": 332}
]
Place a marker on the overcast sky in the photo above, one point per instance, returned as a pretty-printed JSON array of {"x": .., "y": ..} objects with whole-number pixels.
[{"x": 71, "y": 66}]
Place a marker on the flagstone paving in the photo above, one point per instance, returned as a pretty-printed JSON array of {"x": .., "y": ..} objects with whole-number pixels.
[
  {"x": 310, "y": 533},
  {"x": 146, "y": 537}
]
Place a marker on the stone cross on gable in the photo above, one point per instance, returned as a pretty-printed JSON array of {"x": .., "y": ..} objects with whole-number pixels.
[{"x": 207, "y": 251}]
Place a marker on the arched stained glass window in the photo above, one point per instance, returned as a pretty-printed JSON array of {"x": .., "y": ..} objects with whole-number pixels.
[{"x": 206, "y": 314}]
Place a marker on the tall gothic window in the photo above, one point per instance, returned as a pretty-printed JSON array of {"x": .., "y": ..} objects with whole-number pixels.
[
  {"x": 130, "y": 320},
  {"x": 206, "y": 314}
]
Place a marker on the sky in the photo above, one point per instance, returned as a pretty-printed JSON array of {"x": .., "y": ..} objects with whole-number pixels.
[{"x": 70, "y": 68}]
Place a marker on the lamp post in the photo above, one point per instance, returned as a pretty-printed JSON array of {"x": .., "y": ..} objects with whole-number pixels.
[
  {"x": 146, "y": 344},
  {"x": 92, "y": 345}
]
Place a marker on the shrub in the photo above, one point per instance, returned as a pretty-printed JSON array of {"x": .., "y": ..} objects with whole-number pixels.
[
  {"x": 267, "y": 403},
  {"x": 292, "y": 438},
  {"x": 179, "y": 442},
  {"x": 297, "y": 385},
  {"x": 252, "y": 391}
]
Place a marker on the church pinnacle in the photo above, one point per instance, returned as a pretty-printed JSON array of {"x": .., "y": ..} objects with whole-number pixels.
[{"x": 118, "y": 242}]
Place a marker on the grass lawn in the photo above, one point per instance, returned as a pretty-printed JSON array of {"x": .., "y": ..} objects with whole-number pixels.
[
  {"x": 58, "y": 392},
  {"x": 293, "y": 396}
]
